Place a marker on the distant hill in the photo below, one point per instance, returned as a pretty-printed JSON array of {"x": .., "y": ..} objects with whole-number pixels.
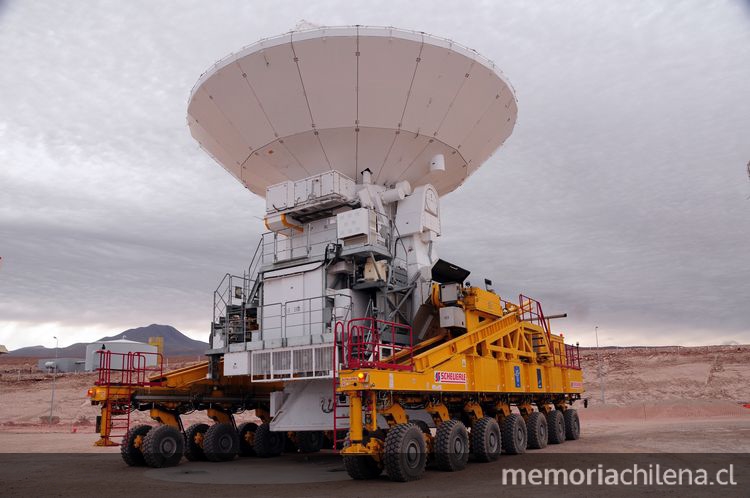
[
  {"x": 77, "y": 350},
  {"x": 175, "y": 343}
]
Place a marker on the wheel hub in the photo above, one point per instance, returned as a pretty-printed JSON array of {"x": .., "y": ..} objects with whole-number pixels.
[
  {"x": 412, "y": 454},
  {"x": 168, "y": 446},
  {"x": 225, "y": 442},
  {"x": 458, "y": 446}
]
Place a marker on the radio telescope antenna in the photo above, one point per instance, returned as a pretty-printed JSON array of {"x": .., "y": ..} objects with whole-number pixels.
[{"x": 404, "y": 104}]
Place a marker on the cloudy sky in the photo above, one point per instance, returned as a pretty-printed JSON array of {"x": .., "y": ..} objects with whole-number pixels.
[{"x": 622, "y": 197}]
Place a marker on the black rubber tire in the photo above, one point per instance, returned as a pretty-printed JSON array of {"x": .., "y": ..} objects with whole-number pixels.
[
  {"x": 132, "y": 454},
  {"x": 572, "y": 424},
  {"x": 193, "y": 443},
  {"x": 163, "y": 446},
  {"x": 451, "y": 446},
  {"x": 514, "y": 435},
  {"x": 485, "y": 440},
  {"x": 221, "y": 443},
  {"x": 405, "y": 455},
  {"x": 246, "y": 433},
  {"x": 310, "y": 441},
  {"x": 362, "y": 467},
  {"x": 536, "y": 427},
  {"x": 268, "y": 443},
  {"x": 556, "y": 427}
]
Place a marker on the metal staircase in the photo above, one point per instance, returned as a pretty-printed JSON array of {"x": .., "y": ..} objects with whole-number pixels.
[{"x": 234, "y": 299}]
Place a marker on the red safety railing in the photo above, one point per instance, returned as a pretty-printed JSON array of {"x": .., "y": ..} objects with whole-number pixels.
[
  {"x": 371, "y": 343},
  {"x": 129, "y": 369},
  {"x": 340, "y": 402},
  {"x": 572, "y": 357},
  {"x": 531, "y": 311},
  {"x": 566, "y": 356}
]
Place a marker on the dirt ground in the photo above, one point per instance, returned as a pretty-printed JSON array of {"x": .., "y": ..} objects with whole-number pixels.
[
  {"x": 706, "y": 442},
  {"x": 672, "y": 428}
]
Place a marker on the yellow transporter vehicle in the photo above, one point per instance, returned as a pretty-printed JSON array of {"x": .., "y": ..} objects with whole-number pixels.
[
  {"x": 136, "y": 381},
  {"x": 492, "y": 356}
]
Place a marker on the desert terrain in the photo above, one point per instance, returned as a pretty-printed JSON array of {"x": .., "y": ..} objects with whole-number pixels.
[{"x": 643, "y": 383}]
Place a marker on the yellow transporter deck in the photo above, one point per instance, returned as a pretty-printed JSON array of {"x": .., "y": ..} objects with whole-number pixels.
[
  {"x": 470, "y": 372},
  {"x": 167, "y": 395}
]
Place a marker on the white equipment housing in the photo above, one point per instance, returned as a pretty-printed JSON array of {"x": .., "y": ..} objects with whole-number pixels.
[{"x": 352, "y": 135}]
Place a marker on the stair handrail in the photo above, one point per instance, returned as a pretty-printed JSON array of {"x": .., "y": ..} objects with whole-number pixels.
[{"x": 531, "y": 311}]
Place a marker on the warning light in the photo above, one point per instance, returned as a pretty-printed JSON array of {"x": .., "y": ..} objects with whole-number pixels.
[{"x": 362, "y": 377}]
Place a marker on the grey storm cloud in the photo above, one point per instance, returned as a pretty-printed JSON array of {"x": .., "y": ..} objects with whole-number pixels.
[{"x": 621, "y": 197}]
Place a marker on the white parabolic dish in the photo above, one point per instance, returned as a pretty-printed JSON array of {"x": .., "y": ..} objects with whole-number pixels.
[{"x": 351, "y": 98}]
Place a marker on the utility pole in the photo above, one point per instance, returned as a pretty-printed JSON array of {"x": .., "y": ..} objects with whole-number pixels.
[
  {"x": 599, "y": 362},
  {"x": 54, "y": 376}
]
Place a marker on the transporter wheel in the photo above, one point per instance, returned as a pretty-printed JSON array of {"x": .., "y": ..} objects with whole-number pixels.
[
  {"x": 163, "y": 446},
  {"x": 572, "y": 424},
  {"x": 310, "y": 441},
  {"x": 268, "y": 443},
  {"x": 451, "y": 446},
  {"x": 514, "y": 434},
  {"x": 246, "y": 432},
  {"x": 362, "y": 467},
  {"x": 556, "y": 427},
  {"x": 485, "y": 440},
  {"x": 405, "y": 453},
  {"x": 536, "y": 427},
  {"x": 221, "y": 443},
  {"x": 194, "y": 436},
  {"x": 132, "y": 445}
]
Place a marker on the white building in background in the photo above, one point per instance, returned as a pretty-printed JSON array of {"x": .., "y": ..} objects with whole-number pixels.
[
  {"x": 121, "y": 347},
  {"x": 61, "y": 365}
]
